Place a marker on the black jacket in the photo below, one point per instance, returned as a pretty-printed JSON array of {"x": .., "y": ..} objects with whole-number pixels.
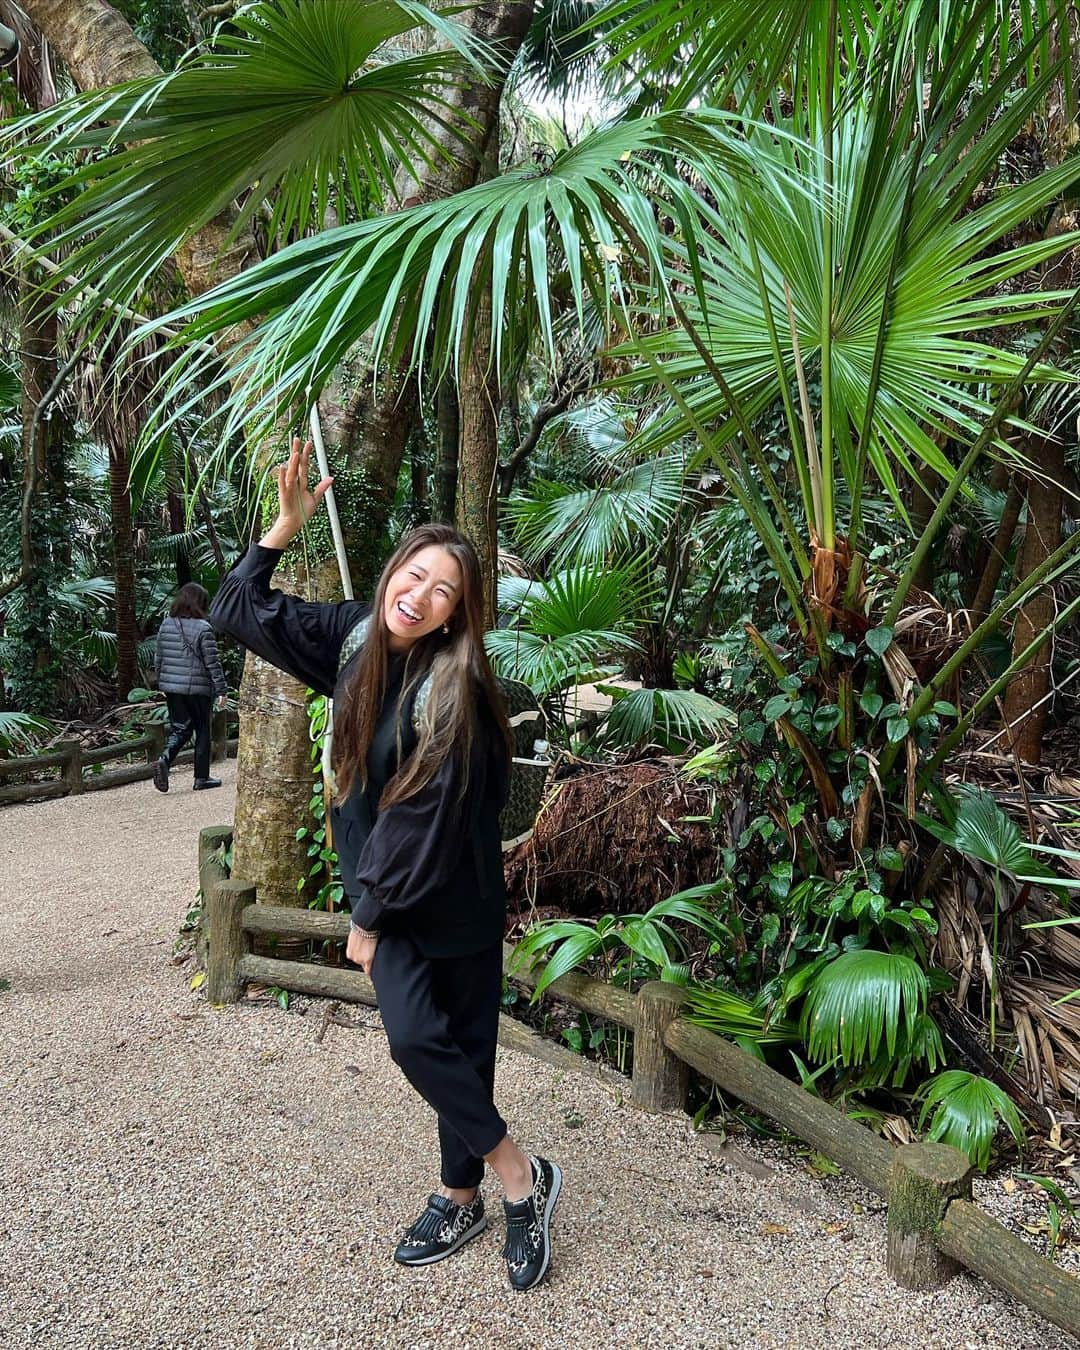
[{"x": 430, "y": 866}]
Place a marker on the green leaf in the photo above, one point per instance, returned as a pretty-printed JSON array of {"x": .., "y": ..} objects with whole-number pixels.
[
  {"x": 861, "y": 1001},
  {"x": 896, "y": 728},
  {"x": 944, "y": 709},
  {"x": 871, "y": 704},
  {"x": 967, "y": 1110},
  {"x": 776, "y": 707},
  {"x": 878, "y": 640}
]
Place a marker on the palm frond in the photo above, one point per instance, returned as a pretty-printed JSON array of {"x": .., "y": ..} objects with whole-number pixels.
[
  {"x": 967, "y": 1110},
  {"x": 861, "y": 1002},
  {"x": 407, "y": 283},
  {"x": 682, "y": 715},
  {"x": 982, "y": 830},
  {"x": 292, "y": 110},
  {"x": 21, "y": 731},
  {"x": 562, "y": 523}
]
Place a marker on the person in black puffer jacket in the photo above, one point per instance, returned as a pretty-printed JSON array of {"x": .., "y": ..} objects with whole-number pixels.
[{"x": 189, "y": 674}]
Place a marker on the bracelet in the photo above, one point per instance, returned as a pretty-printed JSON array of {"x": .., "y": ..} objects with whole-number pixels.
[{"x": 364, "y": 932}]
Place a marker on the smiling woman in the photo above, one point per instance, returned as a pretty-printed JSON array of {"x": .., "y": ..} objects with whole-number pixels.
[{"x": 416, "y": 823}]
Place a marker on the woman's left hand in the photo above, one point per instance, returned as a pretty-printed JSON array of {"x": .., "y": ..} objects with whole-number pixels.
[{"x": 361, "y": 951}]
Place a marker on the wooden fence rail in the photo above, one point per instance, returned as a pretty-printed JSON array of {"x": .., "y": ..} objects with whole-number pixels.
[
  {"x": 932, "y": 1227},
  {"x": 71, "y": 758}
]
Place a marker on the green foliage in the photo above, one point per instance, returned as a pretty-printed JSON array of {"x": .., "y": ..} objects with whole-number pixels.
[
  {"x": 20, "y": 733},
  {"x": 863, "y": 1003},
  {"x": 633, "y": 944},
  {"x": 323, "y": 864},
  {"x": 966, "y": 1111}
]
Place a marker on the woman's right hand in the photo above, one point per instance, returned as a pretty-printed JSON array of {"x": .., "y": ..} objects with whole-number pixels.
[
  {"x": 361, "y": 951},
  {"x": 297, "y": 503}
]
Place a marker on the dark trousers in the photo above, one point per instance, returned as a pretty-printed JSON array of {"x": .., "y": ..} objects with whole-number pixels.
[
  {"x": 189, "y": 714},
  {"x": 441, "y": 1017}
]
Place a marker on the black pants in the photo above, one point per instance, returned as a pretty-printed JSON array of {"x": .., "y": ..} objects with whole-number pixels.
[
  {"x": 189, "y": 713},
  {"x": 442, "y": 1020}
]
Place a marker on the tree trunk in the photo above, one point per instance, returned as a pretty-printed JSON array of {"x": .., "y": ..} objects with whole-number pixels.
[
  {"x": 123, "y": 542},
  {"x": 177, "y": 526},
  {"x": 1043, "y": 534},
  {"x": 35, "y": 674},
  {"x": 478, "y": 457},
  {"x": 274, "y": 772},
  {"x": 95, "y": 41},
  {"x": 448, "y": 416}
]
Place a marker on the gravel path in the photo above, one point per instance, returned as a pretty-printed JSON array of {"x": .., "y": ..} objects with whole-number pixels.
[{"x": 174, "y": 1175}]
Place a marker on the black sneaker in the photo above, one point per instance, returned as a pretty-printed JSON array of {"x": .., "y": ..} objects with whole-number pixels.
[
  {"x": 528, "y": 1223},
  {"x": 161, "y": 775},
  {"x": 201, "y": 784},
  {"x": 442, "y": 1228}
]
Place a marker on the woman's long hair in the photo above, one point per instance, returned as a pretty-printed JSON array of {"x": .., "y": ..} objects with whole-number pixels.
[
  {"x": 458, "y": 665},
  {"x": 192, "y": 601}
]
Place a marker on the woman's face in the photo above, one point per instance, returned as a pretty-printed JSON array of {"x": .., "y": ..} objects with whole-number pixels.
[{"x": 421, "y": 596}]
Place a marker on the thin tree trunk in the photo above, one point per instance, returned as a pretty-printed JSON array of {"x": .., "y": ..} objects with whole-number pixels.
[
  {"x": 478, "y": 459},
  {"x": 1030, "y": 685},
  {"x": 177, "y": 526},
  {"x": 43, "y": 453},
  {"x": 996, "y": 555},
  {"x": 123, "y": 548},
  {"x": 448, "y": 416}
]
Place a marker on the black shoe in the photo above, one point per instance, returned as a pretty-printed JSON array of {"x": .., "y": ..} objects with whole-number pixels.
[
  {"x": 201, "y": 784},
  {"x": 161, "y": 775},
  {"x": 442, "y": 1228},
  {"x": 528, "y": 1223}
]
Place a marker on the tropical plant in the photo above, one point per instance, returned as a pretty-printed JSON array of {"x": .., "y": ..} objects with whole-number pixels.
[
  {"x": 965, "y": 1111},
  {"x": 867, "y": 1010},
  {"x": 627, "y": 943},
  {"x": 981, "y": 830},
  {"x": 20, "y": 732}
]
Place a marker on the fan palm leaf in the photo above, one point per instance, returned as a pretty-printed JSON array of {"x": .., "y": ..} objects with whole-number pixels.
[
  {"x": 932, "y": 376},
  {"x": 407, "y": 283},
  {"x": 966, "y": 1112},
  {"x": 292, "y": 110},
  {"x": 560, "y": 522},
  {"x": 862, "y": 1002},
  {"x": 640, "y": 715}
]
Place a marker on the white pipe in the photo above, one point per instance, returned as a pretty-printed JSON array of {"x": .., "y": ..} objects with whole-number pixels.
[{"x": 331, "y": 504}]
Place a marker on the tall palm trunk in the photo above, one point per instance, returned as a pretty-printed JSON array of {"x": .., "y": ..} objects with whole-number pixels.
[{"x": 123, "y": 548}]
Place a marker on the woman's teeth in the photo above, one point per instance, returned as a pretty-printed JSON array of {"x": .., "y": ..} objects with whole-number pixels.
[{"x": 410, "y": 615}]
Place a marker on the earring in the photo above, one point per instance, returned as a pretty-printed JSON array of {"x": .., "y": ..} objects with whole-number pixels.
[{"x": 446, "y": 630}]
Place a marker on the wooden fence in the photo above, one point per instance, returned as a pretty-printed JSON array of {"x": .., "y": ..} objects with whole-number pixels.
[
  {"x": 71, "y": 759},
  {"x": 933, "y": 1226}
]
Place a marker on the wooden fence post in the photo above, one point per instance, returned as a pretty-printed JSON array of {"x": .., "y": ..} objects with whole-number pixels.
[
  {"x": 156, "y": 747},
  {"x": 219, "y": 736},
  {"x": 660, "y": 1079},
  {"x": 228, "y": 942},
  {"x": 925, "y": 1178},
  {"x": 72, "y": 771}
]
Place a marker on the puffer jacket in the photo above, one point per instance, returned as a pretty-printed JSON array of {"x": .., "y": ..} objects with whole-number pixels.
[{"x": 187, "y": 658}]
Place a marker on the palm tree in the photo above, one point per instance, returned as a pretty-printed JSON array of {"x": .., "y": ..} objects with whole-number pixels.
[
  {"x": 819, "y": 247},
  {"x": 295, "y": 115}
]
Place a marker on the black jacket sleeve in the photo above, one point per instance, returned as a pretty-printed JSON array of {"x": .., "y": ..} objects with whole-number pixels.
[
  {"x": 417, "y": 845},
  {"x": 301, "y": 637}
]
